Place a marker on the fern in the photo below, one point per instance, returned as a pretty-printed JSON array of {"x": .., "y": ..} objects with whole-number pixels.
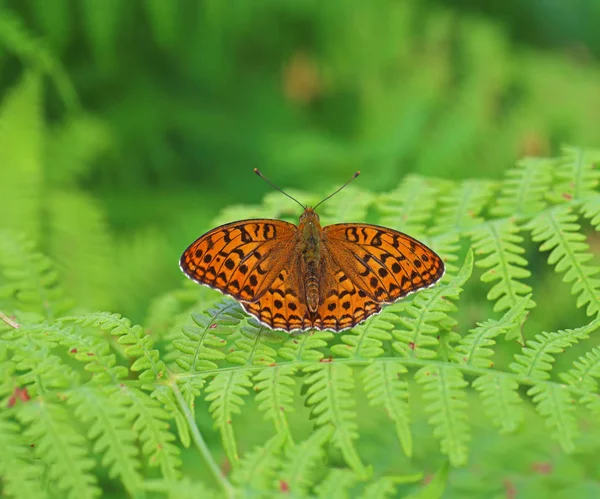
[
  {"x": 460, "y": 208},
  {"x": 444, "y": 391},
  {"x": 224, "y": 392},
  {"x": 258, "y": 470},
  {"x": 409, "y": 208},
  {"x": 386, "y": 385},
  {"x": 523, "y": 192},
  {"x": 275, "y": 395},
  {"x": 558, "y": 231},
  {"x": 535, "y": 359},
  {"x": 427, "y": 315},
  {"x": 60, "y": 447},
  {"x": 500, "y": 244},
  {"x": 21, "y": 474},
  {"x": 116, "y": 442},
  {"x": 329, "y": 397},
  {"x": 304, "y": 462},
  {"x": 577, "y": 176},
  {"x": 104, "y": 401},
  {"x": 336, "y": 484}
]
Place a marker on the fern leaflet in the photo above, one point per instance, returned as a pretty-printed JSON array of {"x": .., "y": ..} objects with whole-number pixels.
[
  {"x": 329, "y": 397},
  {"x": 225, "y": 393},
  {"x": 558, "y": 231},
  {"x": 501, "y": 244},
  {"x": 385, "y": 386},
  {"x": 444, "y": 391}
]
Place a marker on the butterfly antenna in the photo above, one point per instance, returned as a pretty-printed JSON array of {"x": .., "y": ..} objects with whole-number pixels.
[
  {"x": 338, "y": 190},
  {"x": 257, "y": 171}
]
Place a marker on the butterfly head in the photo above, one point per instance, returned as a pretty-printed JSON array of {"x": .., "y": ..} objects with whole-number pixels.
[{"x": 309, "y": 221}]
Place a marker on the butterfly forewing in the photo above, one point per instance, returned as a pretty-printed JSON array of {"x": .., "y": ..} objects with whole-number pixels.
[
  {"x": 383, "y": 263},
  {"x": 241, "y": 259}
]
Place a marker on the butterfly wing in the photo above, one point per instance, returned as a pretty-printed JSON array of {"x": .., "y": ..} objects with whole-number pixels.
[
  {"x": 383, "y": 264},
  {"x": 241, "y": 259},
  {"x": 283, "y": 305}
]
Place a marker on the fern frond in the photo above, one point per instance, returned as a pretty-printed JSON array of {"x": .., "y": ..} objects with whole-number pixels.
[
  {"x": 536, "y": 359},
  {"x": 446, "y": 401},
  {"x": 461, "y": 207},
  {"x": 21, "y": 138},
  {"x": 448, "y": 247},
  {"x": 257, "y": 470},
  {"x": 576, "y": 174},
  {"x": 93, "y": 351},
  {"x": 427, "y": 315},
  {"x": 111, "y": 434},
  {"x": 473, "y": 349},
  {"x": 137, "y": 343},
  {"x": 253, "y": 345},
  {"x": 365, "y": 341},
  {"x": 584, "y": 372},
  {"x": 169, "y": 312},
  {"x": 275, "y": 396},
  {"x": 348, "y": 205},
  {"x": 42, "y": 369},
  {"x": 501, "y": 400},
  {"x": 336, "y": 484},
  {"x": 21, "y": 474},
  {"x": 150, "y": 422},
  {"x": 523, "y": 191},
  {"x": 409, "y": 207},
  {"x": 199, "y": 348},
  {"x": 28, "y": 280},
  {"x": 385, "y": 386},
  {"x": 556, "y": 405},
  {"x": 501, "y": 245},
  {"x": 191, "y": 387},
  {"x": 180, "y": 489},
  {"x": 304, "y": 462},
  {"x": 166, "y": 396},
  {"x": 60, "y": 447},
  {"x": 79, "y": 239},
  {"x": 591, "y": 210},
  {"x": 225, "y": 393},
  {"x": 386, "y": 486},
  {"x": 557, "y": 229},
  {"x": 329, "y": 396},
  {"x": 305, "y": 347}
]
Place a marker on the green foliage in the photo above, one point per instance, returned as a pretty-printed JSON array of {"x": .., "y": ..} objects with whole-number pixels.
[{"x": 93, "y": 402}]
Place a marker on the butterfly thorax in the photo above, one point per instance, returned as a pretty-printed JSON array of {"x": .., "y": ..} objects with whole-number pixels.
[{"x": 310, "y": 255}]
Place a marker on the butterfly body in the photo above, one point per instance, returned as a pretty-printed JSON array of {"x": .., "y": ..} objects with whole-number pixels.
[
  {"x": 307, "y": 276},
  {"x": 309, "y": 256}
]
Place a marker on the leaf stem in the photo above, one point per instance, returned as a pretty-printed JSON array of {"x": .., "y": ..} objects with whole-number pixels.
[
  {"x": 201, "y": 444},
  {"x": 9, "y": 321}
]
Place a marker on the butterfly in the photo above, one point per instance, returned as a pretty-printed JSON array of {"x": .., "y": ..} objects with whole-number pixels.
[{"x": 301, "y": 277}]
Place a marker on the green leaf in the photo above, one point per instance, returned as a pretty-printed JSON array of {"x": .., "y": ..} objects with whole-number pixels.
[
  {"x": 558, "y": 231},
  {"x": 386, "y": 386},
  {"x": 556, "y": 405},
  {"x": 225, "y": 393},
  {"x": 446, "y": 401},
  {"x": 329, "y": 396}
]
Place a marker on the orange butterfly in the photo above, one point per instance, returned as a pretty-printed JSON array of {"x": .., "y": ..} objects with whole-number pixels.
[{"x": 310, "y": 277}]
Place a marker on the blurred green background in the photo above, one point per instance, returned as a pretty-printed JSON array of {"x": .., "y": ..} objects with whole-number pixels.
[{"x": 131, "y": 124}]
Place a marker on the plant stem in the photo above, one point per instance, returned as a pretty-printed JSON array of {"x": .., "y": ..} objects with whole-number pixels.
[
  {"x": 201, "y": 444},
  {"x": 9, "y": 321}
]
